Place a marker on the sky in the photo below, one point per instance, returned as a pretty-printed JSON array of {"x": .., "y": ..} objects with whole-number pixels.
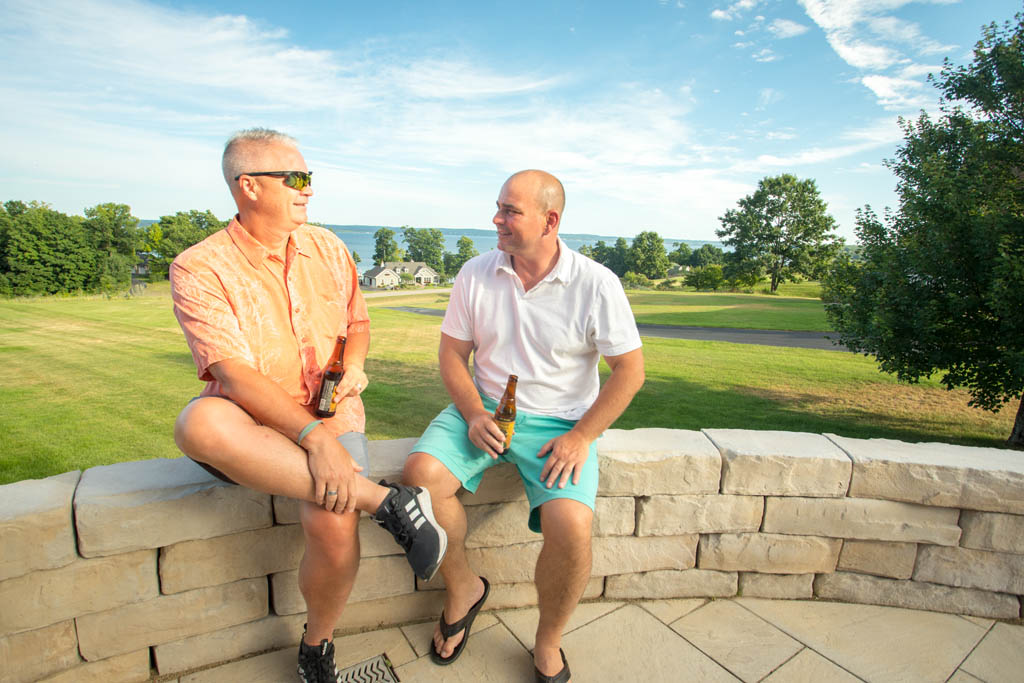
[{"x": 655, "y": 114}]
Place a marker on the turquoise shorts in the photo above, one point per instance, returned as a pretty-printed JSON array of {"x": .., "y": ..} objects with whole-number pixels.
[{"x": 447, "y": 439}]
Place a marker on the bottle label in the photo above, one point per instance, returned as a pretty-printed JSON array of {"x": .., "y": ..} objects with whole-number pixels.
[
  {"x": 508, "y": 428},
  {"x": 325, "y": 403}
]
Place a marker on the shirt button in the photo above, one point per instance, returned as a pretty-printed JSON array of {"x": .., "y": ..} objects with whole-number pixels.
[{"x": 295, "y": 310}]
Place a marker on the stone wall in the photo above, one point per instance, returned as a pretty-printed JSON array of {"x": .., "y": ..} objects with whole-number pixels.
[{"x": 153, "y": 568}]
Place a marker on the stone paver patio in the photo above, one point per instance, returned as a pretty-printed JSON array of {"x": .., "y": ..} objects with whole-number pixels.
[{"x": 737, "y": 639}]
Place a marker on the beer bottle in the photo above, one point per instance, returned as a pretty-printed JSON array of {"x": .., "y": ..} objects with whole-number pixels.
[
  {"x": 505, "y": 413},
  {"x": 326, "y": 405}
]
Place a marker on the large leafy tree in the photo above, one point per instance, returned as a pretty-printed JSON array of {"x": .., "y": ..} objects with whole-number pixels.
[
  {"x": 681, "y": 254},
  {"x": 385, "y": 247},
  {"x": 426, "y": 245},
  {"x": 647, "y": 256},
  {"x": 115, "y": 233},
  {"x": 938, "y": 285},
  {"x": 44, "y": 251},
  {"x": 707, "y": 255},
  {"x": 172, "y": 235},
  {"x": 783, "y": 228},
  {"x": 454, "y": 262}
]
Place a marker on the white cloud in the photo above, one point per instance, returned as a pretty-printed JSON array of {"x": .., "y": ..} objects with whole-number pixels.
[
  {"x": 721, "y": 15},
  {"x": 898, "y": 30},
  {"x": 784, "y": 28},
  {"x": 896, "y": 94},
  {"x": 765, "y": 55},
  {"x": 735, "y": 10}
]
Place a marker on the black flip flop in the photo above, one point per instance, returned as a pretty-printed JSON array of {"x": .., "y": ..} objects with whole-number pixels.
[
  {"x": 449, "y": 630},
  {"x": 560, "y": 677}
]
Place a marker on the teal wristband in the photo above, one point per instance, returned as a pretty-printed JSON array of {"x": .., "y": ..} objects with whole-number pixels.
[{"x": 307, "y": 429}]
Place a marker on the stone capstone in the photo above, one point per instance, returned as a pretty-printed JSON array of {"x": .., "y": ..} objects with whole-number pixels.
[
  {"x": 36, "y": 525},
  {"x": 936, "y": 474},
  {"x": 646, "y": 462},
  {"x": 154, "y": 503},
  {"x": 780, "y": 463}
]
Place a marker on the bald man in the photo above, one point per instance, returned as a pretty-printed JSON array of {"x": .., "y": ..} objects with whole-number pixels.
[{"x": 536, "y": 309}]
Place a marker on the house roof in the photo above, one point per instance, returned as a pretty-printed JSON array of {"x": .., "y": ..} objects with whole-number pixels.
[{"x": 377, "y": 270}]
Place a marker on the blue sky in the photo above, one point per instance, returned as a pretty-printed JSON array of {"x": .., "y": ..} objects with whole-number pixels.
[{"x": 656, "y": 114}]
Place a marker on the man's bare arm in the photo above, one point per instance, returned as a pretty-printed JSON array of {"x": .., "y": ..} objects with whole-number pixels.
[
  {"x": 453, "y": 356},
  {"x": 567, "y": 453}
]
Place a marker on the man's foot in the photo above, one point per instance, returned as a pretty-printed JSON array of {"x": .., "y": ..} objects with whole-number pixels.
[
  {"x": 406, "y": 514},
  {"x": 450, "y": 637},
  {"x": 559, "y": 669},
  {"x": 316, "y": 663}
]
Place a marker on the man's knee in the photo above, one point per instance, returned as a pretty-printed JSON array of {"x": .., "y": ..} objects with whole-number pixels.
[
  {"x": 423, "y": 469},
  {"x": 333, "y": 538},
  {"x": 201, "y": 429},
  {"x": 567, "y": 523}
]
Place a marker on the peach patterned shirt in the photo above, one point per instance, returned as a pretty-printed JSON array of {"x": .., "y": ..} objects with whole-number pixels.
[{"x": 234, "y": 299}]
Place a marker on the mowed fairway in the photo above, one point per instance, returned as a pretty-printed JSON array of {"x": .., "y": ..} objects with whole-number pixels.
[{"x": 90, "y": 381}]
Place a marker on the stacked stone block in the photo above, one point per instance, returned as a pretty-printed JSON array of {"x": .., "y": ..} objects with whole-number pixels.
[{"x": 154, "y": 569}]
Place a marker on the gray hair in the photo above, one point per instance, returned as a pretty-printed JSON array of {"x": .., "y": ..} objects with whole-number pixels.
[{"x": 240, "y": 150}]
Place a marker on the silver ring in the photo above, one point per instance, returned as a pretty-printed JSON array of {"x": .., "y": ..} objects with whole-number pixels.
[{"x": 332, "y": 493}]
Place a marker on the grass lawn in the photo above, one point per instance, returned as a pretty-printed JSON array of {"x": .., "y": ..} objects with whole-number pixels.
[
  {"x": 90, "y": 381},
  {"x": 706, "y": 309}
]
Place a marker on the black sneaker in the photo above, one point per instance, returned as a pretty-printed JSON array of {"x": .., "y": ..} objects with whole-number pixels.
[
  {"x": 316, "y": 663},
  {"x": 407, "y": 515}
]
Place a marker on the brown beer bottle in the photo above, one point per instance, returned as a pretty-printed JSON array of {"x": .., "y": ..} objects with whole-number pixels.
[
  {"x": 505, "y": 413},
  {"x": 325, "y": 403}
]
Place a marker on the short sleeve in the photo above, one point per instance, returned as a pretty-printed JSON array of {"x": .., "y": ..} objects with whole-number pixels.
[
  {"x": 458, "y": 318},
  {"x": 614, "y": 328},
  {"x": 207, "y": 319}
]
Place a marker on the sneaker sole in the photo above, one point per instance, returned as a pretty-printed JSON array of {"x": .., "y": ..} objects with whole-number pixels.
[{"x": 428, "y": 512}]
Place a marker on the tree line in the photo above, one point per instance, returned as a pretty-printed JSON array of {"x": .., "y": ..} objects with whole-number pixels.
[{"x": 44, "y": 251}]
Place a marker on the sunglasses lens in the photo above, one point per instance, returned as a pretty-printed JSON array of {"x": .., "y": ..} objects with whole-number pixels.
[{"x": 298, "y": 180}]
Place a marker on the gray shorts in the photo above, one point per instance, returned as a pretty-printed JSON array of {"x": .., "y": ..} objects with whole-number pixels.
[{"x": 354, "y": 442}]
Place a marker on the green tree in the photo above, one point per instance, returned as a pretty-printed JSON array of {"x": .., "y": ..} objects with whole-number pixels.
[
  {"x": 633, "y": 280},
  {"x": 45, "y": 251},
  {"x": 426, "y": 245},
  {"x": 740, "y": 273},
  {"x": 681, "y": 254},
  {"x": 385, "y": 247},
  {"x": 355, "y": 257},
  {"x": 938, "y": 285},
  {"x": 706, "y": 255},
  {"x": 172, "y": 235},
  {"x": 647, "y": 256},
  {"x": 784, "y": 228},
  {"x": 454, "y": 262},
  {"x": 116, "y": 237},
  {"x": 705, "y": 277}
]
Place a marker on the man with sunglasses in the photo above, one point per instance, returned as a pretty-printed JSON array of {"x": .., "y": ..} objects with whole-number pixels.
[{"x": 261, "y": 304}]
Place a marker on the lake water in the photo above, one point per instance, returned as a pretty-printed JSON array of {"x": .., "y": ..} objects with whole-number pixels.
[{"x": 359, "y": 239}]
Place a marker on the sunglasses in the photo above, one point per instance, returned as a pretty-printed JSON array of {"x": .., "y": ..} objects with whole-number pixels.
[{"x": 297, "y": 180}]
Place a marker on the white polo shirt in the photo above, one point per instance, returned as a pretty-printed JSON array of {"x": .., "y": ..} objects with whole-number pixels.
[{"x": 552, "y": 337}]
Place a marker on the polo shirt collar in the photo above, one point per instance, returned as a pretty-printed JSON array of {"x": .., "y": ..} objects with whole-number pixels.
[
  {"x": 561, "y": 272},
  {"x": 254, "y": 252}
]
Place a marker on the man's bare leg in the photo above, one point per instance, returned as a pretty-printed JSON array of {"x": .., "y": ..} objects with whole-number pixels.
[
  {"x": 218, "y": 432},
  {"x": 462, "y": 586},
  {"x": 563, "y": 570},
  {"x": 328, "y": 569}
]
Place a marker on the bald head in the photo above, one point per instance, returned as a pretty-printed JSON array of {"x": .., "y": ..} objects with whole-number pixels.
[{"x": 549, "y": 191}]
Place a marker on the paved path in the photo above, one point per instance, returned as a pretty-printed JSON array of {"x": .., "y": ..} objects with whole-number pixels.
[
  {"x": 794, "y": 339},
  {"x": 736, "y": 639}
]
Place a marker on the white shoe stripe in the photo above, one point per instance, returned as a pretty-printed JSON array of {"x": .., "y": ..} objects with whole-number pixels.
[{"x": 419, "y": 522}]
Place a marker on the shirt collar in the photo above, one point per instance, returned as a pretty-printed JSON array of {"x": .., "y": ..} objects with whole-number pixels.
[
  {"x": 561, "y": 272},
  {"x": 255, "y": 252}
]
